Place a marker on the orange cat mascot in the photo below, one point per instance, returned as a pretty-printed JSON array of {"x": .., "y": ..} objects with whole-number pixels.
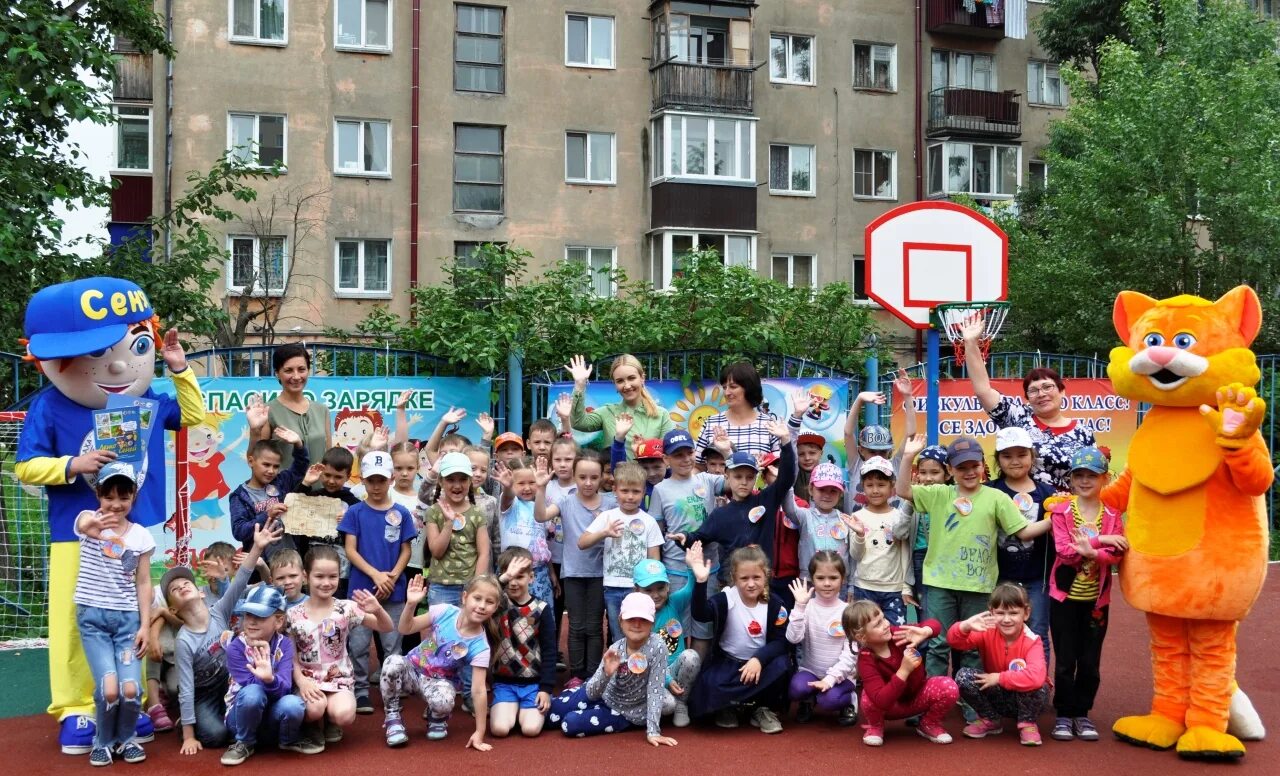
[{"x": 1197, "y": 522}]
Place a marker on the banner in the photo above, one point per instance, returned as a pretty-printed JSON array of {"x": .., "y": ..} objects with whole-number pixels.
[
  {"x": 690, "y": 406},
  {"x": 1091, "y": 402},
  {"x": 217, "y": 446}
]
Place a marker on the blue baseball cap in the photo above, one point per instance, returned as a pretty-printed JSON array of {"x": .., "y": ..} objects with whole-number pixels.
[
  {"x": 261, "y": 601},
  {"x": 118, "y": 469},
  {"x": 742, "y": 460},
  {"x": 1089, "y": 459},
  {"x": 676, "y": 439},
  {"x": 936, "y": 453},
  {"x": 649, "y": 572},
  {"x": 83, "y": 316}
]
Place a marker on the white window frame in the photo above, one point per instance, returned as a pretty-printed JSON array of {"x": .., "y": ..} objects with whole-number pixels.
[
  {"x": 257, "y": 137},
  {"x": 364, "y": 28},
  {"x": 745, "y": 132},
  {"x": 255, "y": 40},
  {"x": 813, "y": 171},
  {"x": 1044, "y": 77},
  {"x": 613, "y": 41},
  {"x": 662, "y": 260},
  {"x": 952, "y": 55},
  {"x": 613, "y": 266},
  {"x": 791, "y": 268},
  {"x": 360, "y": 173},
  {"x": 893, "y": 65},
  {"x": 613, "y": 158},
  {"x": 813, "y": 58},
  {"x": 235, "y": 290},
  {"x": 893, "y": 173},
  {"x": 119, "y": 126},
  {"x": 361, "y": 291},
  {"x": 995, "y": 169}
]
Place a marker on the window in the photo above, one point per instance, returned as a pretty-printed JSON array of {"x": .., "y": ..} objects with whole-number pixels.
[
  {"x": 362, "y": 24},
  {"x": 859, "y": 279},
  {"x": 875, "y": 174},
  {"x": 1044, "y": 84},
  {"x": 1038, "y": 173},
  {"x": 668, "y": 252},
  {"x": 362, "y": 148},
  {"x": 599, "y": 265},
  {"x": 795, "y": 270},
  {"x": 791, "y": 169},
  {"x": 477, "y": 50},
  {"x": 464, "y": 254},
  {"x": 704, "y": 147},
  {"x": 970, "y": 168},
  {"x": 963, "y": 70},
  {"x": 477, "y": 168},
  {"x": 875, "y": 66},
  {"x": 255, "y": 138},
  {"x": 363, "y": 267},
  {"x": 259, "y": 21},
  {"x": 588, "y": 157},
  {"x": 723, "y": 39},
  {"x": 588, "y": 41},
  {"x": 257, "y": 266},
  {"x": 133, "y": 138},
  {"x": 791, "y": 59}
]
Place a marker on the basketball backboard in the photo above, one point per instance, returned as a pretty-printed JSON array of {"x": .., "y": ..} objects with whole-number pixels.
[{"x": 923, "y": 254}]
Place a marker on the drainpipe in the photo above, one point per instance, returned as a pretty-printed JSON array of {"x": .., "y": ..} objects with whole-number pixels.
[
  {"x": 168, "y": 128},
  {"x": 413, "y": 154},
  {"x": 920, "y": 161}
]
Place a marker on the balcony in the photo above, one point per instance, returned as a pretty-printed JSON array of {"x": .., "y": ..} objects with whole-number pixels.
[
  {"x": 973, "y": 112},
  {"x": 702, "y": 206},
  {"x": 719, "y": 88},
  {"x": 948, "y": 17}
]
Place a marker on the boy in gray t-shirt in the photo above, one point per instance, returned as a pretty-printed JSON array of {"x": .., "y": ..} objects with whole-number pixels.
[{"x": 200, "y": 650}]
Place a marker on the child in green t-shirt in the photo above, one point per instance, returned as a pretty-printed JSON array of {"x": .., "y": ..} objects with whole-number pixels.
[{"x": 960, "y": 565}]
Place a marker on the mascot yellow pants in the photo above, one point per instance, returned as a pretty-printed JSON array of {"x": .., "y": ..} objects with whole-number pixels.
[{"x": 70, "y": 683}]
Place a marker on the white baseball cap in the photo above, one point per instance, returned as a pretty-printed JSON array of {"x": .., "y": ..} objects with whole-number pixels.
[
  {"x": 876, "y": 464},
  {"x": 376, "y": 463},
  {"x": 1013, "y": 436}
]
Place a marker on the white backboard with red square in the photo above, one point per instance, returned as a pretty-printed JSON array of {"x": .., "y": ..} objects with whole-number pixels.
[{"x": 923, "y": 254}]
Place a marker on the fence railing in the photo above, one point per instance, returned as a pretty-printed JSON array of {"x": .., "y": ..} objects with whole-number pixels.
[
  {"x": 691, "y": 85},
  {"x": 974, "y": 110}
]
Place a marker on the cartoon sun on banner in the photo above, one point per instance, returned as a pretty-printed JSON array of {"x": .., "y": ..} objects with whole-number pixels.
[{"x": 699, "y": 403}]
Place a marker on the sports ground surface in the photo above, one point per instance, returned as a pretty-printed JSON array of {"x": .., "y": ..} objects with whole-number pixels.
[{"x": 817, "y": 748}]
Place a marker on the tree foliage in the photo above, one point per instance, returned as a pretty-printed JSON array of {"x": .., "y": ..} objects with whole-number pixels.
[
  {"x": 494, "y": 306},
  {"x": 1163, "y": 181},
  {"x": 1074, "y": 31}
]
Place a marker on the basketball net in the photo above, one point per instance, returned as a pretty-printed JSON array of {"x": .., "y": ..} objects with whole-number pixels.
[{"x": 953, "y": 318}]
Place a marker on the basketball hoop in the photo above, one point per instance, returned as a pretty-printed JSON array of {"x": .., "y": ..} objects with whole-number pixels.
[{"x": 952, "y": 317}]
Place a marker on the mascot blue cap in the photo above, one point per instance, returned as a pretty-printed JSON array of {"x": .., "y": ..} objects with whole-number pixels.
[{"x": 83, "y": 316}]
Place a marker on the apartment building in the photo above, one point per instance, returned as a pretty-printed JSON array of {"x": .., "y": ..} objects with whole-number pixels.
[{"x": 618, "y": 133}]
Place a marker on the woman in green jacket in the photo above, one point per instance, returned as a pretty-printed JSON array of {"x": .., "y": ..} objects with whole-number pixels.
[{"x": 649, "y": 421}]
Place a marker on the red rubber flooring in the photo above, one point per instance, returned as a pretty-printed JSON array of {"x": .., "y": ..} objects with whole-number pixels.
[{"x": 817, "y": 748}]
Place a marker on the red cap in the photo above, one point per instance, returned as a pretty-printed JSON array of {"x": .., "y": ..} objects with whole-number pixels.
[
  {"x": 508, "y": 438},
  {"x": 811, "y": 438},
  {"x": 649, "y": 448},
  {"x": 768, "y": 459}
]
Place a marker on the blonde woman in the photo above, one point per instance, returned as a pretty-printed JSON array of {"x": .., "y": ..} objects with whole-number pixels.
[{"x": 648, "y": 420}]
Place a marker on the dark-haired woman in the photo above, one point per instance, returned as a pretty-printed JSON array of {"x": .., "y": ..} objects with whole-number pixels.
[
  {"x": 746, "y": 426},
  {"x": 291, "y": 409},
  {"x": 1056, "y": 437}
]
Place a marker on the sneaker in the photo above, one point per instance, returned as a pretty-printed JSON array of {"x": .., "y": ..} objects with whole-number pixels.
[
  {"x": 237, "y": 753},
  {"x": 727, "y": 718},
  {"x": 1063, "y": 729},
  {"x": 1029, "y": 735},
  {"x": 935, "y": 733},
  {"x": 573, "y": 683},
  {"x": 99, "y": 756},
  {"x": 303, "y": 745},
  {"x": 130, "y": 752},
  {"x": 363, "y": 706},
  {"x": 160, "y": 718},
  {"x": 332, "y": 733},
  {"x": 848, "y": 716},
  {"x": 1085, "y": 731},
  {"x": 313, "y": 734},
  {"x": 437, "y": 729},
  {"x": 143, "y": 731},
  {"x": 804, "y": 712},
  {"x": 970, "y": 716},
  {"x": 394, "y": 728},
  {"x": 561, "y": 667},
  {"x": 983, "y": 728},
  {"x": 873, "y": 737},
  {"x": 680, "y": 717},
  {"x": 75, "y": 736},
  {"x": 766, "y": 720}
]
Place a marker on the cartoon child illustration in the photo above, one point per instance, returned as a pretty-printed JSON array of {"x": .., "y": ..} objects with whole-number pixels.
[
  {"x": 204, "y": 466},
  {"x": 91, "y": 338},
  {"x": 819, "y": 400},
  {"x": 350, "y": 427}
]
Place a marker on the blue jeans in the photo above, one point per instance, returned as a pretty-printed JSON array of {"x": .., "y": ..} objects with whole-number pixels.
[
  {"x": 895, "y": 611},
  {"x": 444, "y": 594},
  {"x": 358, "y": 641},
  {"x": 211, "y": 713},
  {"x": 253, "y": 713},
  {"x": 107, "y": 635},
  {"x": 613, "y": 604},
  {"x": 1038, "y": 591}
]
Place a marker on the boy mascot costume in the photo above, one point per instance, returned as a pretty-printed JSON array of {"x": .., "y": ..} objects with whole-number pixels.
[
  {"x": 91, "y": 338},
  {"x": 1197, "y": 525}
]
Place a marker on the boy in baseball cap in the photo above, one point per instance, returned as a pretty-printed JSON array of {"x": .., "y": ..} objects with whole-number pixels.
[
  {"x": 808, "y": 455},
  {"x": 878, "y": 545},
  {"x": 508, "y": 446}
]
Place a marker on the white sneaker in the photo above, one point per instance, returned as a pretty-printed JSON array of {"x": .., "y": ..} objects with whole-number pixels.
[
  {"x": 766, "y": 720},
  {"x": 680, "y": 717}
]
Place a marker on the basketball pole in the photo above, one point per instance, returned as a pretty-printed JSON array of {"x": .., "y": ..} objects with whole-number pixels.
[{"x": 932, "y": 389}]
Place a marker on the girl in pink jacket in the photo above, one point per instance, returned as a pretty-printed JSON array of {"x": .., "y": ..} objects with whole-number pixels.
[{"x": 1013, "y": 680}]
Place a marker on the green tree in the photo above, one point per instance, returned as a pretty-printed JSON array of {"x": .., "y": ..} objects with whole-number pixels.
[
  {"x": 1163, "y": 181},
  {"x": 1074, "y": 31}
]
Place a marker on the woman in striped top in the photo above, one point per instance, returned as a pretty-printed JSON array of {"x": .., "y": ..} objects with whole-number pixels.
[{"x": 746, "y": 427}]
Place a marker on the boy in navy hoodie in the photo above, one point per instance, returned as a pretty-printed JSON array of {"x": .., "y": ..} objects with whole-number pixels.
[{"x": 261, "y": 500}]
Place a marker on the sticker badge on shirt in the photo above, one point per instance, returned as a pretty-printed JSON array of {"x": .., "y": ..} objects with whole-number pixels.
[
  {"x": 638, "y": 663},
  {"x": 755, "y": 629},
  {"x": 700, "y": 492},
  {"x": 778, "y": 621},
  {"x": 1017, "y": 664},
  {"x": 272, "y": 491},
  {"x": 458, "y": 651},
  {"x": 636, "y": 526},
  {"x": 964, "y": 506},
  {"x": 673, "y": 628},
  {"x": 835, "y": 629},
  {"x": 459, "y": 521},
  {"x": 393, "y": 518},
  {"x": 1023, "y": 502},
  {"x": 755, "y": 514},
  {"x": 391, "y": 533},
  {"x": 113, "y": 548},
  {"x": 1090, "y": 531},
  {"x": 787, "y": 522},
  {"x": 838, "y": 531}
]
